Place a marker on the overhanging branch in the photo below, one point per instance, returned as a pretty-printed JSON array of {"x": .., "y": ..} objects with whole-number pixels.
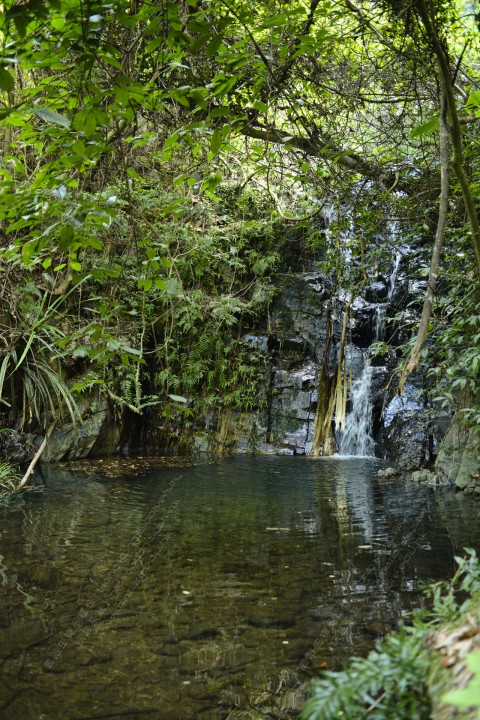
[{"x": 322, "y": 148}]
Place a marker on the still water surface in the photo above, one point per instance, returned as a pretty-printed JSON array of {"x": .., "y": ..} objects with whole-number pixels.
[{"x": 215, "y": 590}]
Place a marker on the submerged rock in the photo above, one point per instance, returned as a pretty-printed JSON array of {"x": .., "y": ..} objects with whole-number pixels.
[
  {"x": 424, "y": 477},
  {"x": 388, "y": 472}
]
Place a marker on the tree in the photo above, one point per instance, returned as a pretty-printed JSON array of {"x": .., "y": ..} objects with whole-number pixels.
[{"x": 323, "y": 100}]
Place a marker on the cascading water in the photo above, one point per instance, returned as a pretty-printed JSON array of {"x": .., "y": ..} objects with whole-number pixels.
[
  {"x": 381, "y": 310},
  {"x": 356, "y": 438}
]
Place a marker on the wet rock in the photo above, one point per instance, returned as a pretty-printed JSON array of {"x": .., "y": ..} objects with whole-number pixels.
[
  {"x": 319, "y": 284},
  {"x": 363, "y": 323},
  {"x": 424, "y": 477},
  {"x": 388, "y": 472},
  {"x": 260, "y": 342},
  {"x": 98, "y": 434},
  {"x": 206, "y": 634},
  {"x": 21, "y": 636},
  {"x": 16, "y": 446},
  {"x": 96, "y": 656},
  {"x": 42, "y": 576},
  {"x": 458, "y": 461},
  {"x": 376, "y": 292},
  {"x": 269, "y": 622},
  {"x": 408, "y": 437}
]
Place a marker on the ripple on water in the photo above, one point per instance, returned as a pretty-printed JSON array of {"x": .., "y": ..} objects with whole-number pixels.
[{"x": 208, "y": 588}]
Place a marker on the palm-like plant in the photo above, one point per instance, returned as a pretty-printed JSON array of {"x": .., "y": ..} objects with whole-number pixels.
[{"x": 31, "y": 379}]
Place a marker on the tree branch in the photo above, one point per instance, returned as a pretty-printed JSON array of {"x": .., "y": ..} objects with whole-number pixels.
[
  {"x": 416, "y": 352},
  {"x": 455, "y": 125},
  {"x": 36, "y": 457},
  {"x": 322, "y": 147}
]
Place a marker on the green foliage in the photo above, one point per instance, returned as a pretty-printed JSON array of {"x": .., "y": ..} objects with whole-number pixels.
[
  {"x": 31, "y": 380},
  {"x": 148, "y": 150},
  {"x": 391, "y": 682},
  {"x": 468, "y": 697},
  {"x": 9, "y": 479},
  {"x": 386, "y": 684},
  {"x": 454, "y": 355}
]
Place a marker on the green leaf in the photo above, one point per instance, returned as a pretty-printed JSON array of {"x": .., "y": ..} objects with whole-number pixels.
[
  {"x": 216, "y": 142},
  {"x": 172, "y": 286},
  {"x": 6, "y": 80},
  {"x": 425, "y": 128},
  {"x": 21, "y": 22},
  {"x": 260, "y": 106},
  {"x": 66, "y": 237},
  {"x": 52, "y": 117},
  {"x": 178, "y": 398},
  {"x": 473, "y": 101},
  {"x": 276, "y": 20},
  {"x": 213, "y": 45},
  {"x": 145, "y": 284},
  {"x": 469, "y": 696},
  {"x": 219, "y": 112},
  {"x": 87, "y": 120},
  {"x": 133, "y": 174}
]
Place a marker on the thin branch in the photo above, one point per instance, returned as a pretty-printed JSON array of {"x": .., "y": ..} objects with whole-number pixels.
[
  {"x": 36, "y": 457},
  {"x": 443, "y": 63},
  {"x": 121, "y": 401}
]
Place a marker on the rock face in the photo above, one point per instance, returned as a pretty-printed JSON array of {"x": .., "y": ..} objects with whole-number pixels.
[
  {"x": 99, "y": 434},
  {"x": 458, "y": 462},
  {"x": 293, "y": 338},
  {"x": 294, "y": 342}
]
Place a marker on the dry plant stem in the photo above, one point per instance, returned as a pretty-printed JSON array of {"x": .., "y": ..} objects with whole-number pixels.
[
  {"x": 416, "y": 352},
  {"x": 123, "y": 402},
  {"x": 323, "y": 441},
  {"x": 332, "y": 392},
  {"x": 36, "y": 457},
  {"x": 341, "y": 384}
]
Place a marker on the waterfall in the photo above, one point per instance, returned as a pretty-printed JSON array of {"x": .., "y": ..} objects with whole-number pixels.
[
  {"x": 356, "y": 438},
  {"x": 380, "y": 313},
  {"x": 392, "y": 280},
  {"x": 381, "y": 310}
]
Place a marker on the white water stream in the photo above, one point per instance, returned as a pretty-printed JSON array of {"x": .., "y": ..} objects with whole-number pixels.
[{"x": 356, "y": 438}]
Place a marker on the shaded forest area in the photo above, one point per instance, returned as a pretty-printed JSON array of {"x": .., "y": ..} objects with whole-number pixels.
[{"x": 156, "y": 159}]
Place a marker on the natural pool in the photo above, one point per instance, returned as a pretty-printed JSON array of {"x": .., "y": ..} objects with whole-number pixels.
[{"x": 209, "y": 590}]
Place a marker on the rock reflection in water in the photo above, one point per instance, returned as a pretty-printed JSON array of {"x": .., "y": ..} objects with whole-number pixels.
[{"x": 206, "y": 590}]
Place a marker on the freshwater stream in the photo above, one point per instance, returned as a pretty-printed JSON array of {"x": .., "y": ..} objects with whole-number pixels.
[{"x": 209, "y": 589}]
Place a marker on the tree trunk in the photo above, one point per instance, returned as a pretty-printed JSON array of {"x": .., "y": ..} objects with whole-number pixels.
[
  {"x": 416, "y": 352},
  {"x": 455, "y": 125}
]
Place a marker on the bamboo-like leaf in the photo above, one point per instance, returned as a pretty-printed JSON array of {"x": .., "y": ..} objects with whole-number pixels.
[
  {"x": 52, "y": 117},
  {"x": 3, "y": 372}
]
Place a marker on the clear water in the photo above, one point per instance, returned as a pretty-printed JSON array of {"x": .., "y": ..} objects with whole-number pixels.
[{"x": 215, "y": 590}]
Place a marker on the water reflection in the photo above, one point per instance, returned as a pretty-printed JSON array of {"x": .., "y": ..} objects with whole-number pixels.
[{"x": 208, "y": 590}]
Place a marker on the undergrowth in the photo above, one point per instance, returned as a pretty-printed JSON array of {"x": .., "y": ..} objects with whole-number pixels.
[{"x": 9, "y": 479}]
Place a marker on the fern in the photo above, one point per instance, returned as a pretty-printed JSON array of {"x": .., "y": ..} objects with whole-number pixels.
[{"x": 389, "y": 684}]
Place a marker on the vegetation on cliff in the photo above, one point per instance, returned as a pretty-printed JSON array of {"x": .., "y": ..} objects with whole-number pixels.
[{"x": 154, "y": 153}]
